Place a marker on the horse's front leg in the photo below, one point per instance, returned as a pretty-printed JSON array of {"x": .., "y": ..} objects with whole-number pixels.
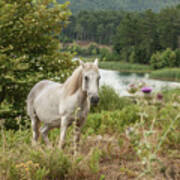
[
  {"x": 64, "y": 125},
  {"x": 77, "y": 133}
]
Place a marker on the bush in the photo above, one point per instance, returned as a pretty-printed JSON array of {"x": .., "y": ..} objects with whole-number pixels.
[
  {"x": 104, "y": 54},
  {"x": 110, "y": 100},
  {"x": 163, "y": 59},
  {"x": 111, "y": 122},
  {"x": 93, "y": 49}
]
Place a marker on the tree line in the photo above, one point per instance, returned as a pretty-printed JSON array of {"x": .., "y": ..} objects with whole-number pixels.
[
  {"x": 135, "y": 36},
  {"x": 126, "y": 5}
]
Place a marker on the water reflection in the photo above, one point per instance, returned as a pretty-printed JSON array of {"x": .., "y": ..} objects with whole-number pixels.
[{"x": 120, "y": 81}]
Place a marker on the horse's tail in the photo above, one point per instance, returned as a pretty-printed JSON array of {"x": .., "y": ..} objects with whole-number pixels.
[{"x": 30, "y": 102}]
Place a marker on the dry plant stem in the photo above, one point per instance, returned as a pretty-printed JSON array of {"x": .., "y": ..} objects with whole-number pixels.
[
  {"x": 166, "y": 132},
  {"x": 76, "y": 130}
]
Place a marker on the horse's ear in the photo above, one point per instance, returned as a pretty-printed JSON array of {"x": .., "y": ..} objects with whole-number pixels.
[
  {"x": 96, "y": 61},
  {"x": 81, "y": 63}
]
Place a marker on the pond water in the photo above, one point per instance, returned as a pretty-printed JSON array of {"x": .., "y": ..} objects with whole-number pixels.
[{"x": 120, "y": 81}]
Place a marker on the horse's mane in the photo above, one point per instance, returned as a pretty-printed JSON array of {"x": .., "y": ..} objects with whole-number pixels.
[{"x": 73, "y": 83}]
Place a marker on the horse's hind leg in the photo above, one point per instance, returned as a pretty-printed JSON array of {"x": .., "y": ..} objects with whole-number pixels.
[
  {"x": 44, "y": 131},
  {"x": 35, "y": 128}
]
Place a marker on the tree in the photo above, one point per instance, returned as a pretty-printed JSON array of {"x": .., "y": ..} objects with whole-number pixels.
[
  {"x": 127, "y": 35},
  {"x": 29, "y": 50},
  {"x": 169, "y": 27}
]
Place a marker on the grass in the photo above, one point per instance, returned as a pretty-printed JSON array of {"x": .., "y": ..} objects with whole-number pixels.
[
  {"x": 121, "y": 140},
  {"x": 171, "y": 74},
  {"x": 125, "y": 67}
]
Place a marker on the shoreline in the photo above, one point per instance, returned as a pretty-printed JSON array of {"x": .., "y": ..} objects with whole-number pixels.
[{"x": 138, "y": 68}]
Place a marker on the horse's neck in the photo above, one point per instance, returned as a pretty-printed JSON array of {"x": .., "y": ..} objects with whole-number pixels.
[
  {"x": 82, "y": 100},
  {"x": 73, "y": 83}
]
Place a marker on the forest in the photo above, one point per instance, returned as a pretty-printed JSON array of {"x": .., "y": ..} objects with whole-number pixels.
[
  {"x": 126, "y": 5},
  {"x": 134, "y": 36}
]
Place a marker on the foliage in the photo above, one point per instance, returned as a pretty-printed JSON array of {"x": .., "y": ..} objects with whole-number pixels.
[
  {"x": 91, "y": 50},
  {"x": 29, "y": 51},
  {"x": 165, "y": 59},
  {"x": 135, "y": 36},
  {"x": 142, "y": 132},
  {"x": 110, "y": 100},
  {"x": 177, "y": 52},
  {"x": 109, "y": 122},
  {"x": 93, "y": 26}
]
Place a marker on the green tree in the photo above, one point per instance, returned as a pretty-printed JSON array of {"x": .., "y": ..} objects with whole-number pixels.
[
  {"x": 127, "y": 36},
  {"x": 169, "y": 27},
  {"x": 29, "y": 50},
  {"x": 163, "y": 59}
]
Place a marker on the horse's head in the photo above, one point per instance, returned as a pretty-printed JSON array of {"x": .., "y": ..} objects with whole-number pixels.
[{"x": 90, "y": 80}]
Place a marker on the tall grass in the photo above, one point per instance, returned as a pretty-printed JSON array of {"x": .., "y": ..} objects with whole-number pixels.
[
  {"x": 172, "y": 74},
  {"x": 124, "y": 67}
]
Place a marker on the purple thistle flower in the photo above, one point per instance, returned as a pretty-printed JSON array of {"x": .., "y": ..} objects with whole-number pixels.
[{"x": 146, "y": 90}]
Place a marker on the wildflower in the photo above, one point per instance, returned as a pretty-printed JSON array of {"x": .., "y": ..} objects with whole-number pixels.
[
  {"x": 27, "y": 169},
  {"x": 132, "y": 88},
  {"x": 159, "y": 96},
  {"x": 146, "y": 90}
]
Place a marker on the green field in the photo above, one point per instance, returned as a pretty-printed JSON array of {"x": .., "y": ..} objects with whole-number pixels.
[{"x": 125, "y": 67}]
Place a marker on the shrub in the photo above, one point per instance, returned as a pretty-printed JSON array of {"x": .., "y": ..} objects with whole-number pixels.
[
  {"x": 163, "y": 59},
  {"x": 104, "y": 54},
  {"x": 93, "y": 49},
  {"x": 110, "y": 100},
  {"x": 111, "y": 122}
]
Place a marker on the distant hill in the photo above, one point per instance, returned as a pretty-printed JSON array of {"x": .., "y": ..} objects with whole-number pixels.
[{"x": 128, "y": 5}]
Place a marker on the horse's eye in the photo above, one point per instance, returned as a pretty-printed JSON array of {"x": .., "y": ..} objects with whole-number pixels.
[{"x": 86, "y": 78}]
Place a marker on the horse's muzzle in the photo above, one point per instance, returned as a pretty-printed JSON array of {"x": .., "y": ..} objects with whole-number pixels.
[{"x": 94, "y": 100}]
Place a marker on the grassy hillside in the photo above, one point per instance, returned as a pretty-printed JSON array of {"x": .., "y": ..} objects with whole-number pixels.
[{"x": 135, "y": 5}]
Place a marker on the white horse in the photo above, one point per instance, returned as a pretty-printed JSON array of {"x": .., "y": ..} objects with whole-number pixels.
[{"x": 55, "y": 104}]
